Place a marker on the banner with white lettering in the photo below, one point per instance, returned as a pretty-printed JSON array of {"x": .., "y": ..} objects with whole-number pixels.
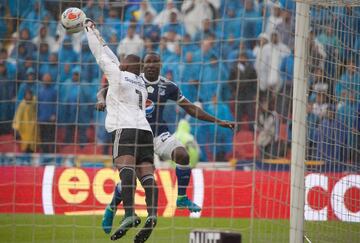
[{"x": 85, "y": 191}]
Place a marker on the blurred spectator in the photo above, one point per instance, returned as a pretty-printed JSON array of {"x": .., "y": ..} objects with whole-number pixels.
[
  {"x": 317, "y": 53},
  {"x": 234, "y": 54},
  {"x": 113, "y": 42},
  {"x": 10, "y": 67},
  {"x": 346, "y": 108},
  {"x": 131, "y": 44},
  {"x": 206, "y": 30},
  {"x": 172, "y": 61},
  {"x": 45, "y": 37},
  {"x": 29, "y": 84},
  {"x": 268, "y": 128},
  {"x": 46, "y": 114},
  {"x": 219, "y": 138},
  {"x": 64, "y": 90},
  {"x": 67, "y": 52},
  {"x": 274, "y": 19},
  {"x": 24, "y": 47},
  {"x": 189, "y": 77},
  {"x": 173, "y": 26},
  {"x": 230, "y": 24},
  {"x": 148, "y": 29},
  {"x": 268, "y": 63},
  {"x": 106, "y": 30},
  {"x": 96, "y": 9},
  {"x": 263, "y": 39},
  {"x": 210, "y": 79},
  {"x": 157, "y": 5},
  {"x": 317, "y": 110},
  {"x": 144, "y": 10},
  {"x": 328, "y": 38},
  {"x": 113, "y": 21},
  {"x": 349, "y": 81},
  {"x": 32, "y": 19},
  {"x": 331, "y": 138},
  {"x": 206, "y": 50},
  {"x": 3, "y": 25},
  {"x": 195, "y": 12},
  {"x": 251, "y": 23},
  {"x": 25, "y": 123},
  {"x": 51, "y": 25},
  {"x": 284, "y": 98},
  {"x": 7, "y": 99},
  {"x": 187, "y": 45},
  {"x": 149, "y": 46},
  {"x": 43, "y": 53},
  {"x": 70, "y": 96},
  {"x": 333, "y": 51},
  {"x": 320, "y": 83},
  {"x": 286, "y": 29},
  {"x": 243, "y": 86},
  {"x": 51, "y": 67},
  {"x": 163, "y": 17},
  {"x": 89, "y": 67}
]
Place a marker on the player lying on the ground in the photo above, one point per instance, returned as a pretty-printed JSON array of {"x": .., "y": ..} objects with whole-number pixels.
[
  {"x": 133, "y": 150},
  {"x": 160, "y": 90}
]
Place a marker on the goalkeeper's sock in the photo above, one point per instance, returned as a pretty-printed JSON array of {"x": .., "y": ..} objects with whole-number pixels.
[
  {"x": 183, "y": 173},
  {"x": 127, "y": 176},
  {"x": 116, "y": 200},
  {"x": 151, "y": 194}
]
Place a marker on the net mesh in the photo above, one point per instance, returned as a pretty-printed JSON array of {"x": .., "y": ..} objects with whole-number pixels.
[{"x": 235, "y": 59}]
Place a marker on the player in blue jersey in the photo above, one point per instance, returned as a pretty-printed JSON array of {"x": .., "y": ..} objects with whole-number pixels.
[{"x": 160, "y": 90}]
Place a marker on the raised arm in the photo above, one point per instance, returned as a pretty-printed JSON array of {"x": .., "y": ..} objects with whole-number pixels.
[
  {"x": 106, "y": 59},
  {"x": 200, "y": 114}
]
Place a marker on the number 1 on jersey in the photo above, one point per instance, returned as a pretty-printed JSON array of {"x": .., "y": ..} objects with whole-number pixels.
[{"x": 140, "y": 99}]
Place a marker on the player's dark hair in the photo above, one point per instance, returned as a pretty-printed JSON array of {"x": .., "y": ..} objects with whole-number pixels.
[
  {"x": 150, "y": 54},
  {"x": 132, "y": 59}
]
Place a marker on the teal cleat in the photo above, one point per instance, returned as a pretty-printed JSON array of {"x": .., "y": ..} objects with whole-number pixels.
[
  {"x": 107, "y": 220},
  {"x": 183, "y": 202},
  {"x": 126, "y": 224}
]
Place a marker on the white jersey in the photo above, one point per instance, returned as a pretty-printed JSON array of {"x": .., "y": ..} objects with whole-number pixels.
[{"x": 127, "y": 94}]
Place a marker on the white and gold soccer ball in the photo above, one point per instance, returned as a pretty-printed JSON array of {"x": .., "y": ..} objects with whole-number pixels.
[{"x": 72, "y": 19}]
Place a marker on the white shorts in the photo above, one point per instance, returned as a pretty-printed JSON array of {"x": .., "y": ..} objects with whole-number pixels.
[{"x": 164, "y": 145}]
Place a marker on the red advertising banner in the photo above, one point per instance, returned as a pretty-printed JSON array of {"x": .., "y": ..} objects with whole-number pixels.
[{"x": 235, "y": 194}]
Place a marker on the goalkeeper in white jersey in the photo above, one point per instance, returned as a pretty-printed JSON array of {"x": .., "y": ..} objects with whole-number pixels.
[{"x": 133, "y": 150}]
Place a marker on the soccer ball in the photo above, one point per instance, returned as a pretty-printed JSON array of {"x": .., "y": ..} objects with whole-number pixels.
[{"x": 72, "y": 20}]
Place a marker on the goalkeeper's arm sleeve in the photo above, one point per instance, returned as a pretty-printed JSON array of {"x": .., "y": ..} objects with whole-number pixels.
[{"x": 106, "y": 59}]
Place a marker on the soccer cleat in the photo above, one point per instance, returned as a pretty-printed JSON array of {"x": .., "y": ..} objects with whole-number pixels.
[
  {"x": 146, "y": 231},
  {"x": 126, "y": 224},
  {"x": 107, "y": 219},
  {"x": 183, "y": 202}
]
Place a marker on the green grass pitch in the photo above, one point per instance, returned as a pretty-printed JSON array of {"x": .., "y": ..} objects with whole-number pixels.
[{"x": 22, "y": 228}]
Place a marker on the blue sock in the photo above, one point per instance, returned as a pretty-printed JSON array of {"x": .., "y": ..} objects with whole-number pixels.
[
  {"x": 116, "y": 200},
  {"x": 183, "y": 176}
]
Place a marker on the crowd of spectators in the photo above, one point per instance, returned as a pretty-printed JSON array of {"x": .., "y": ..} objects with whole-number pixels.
[{"x": 227, "y": 55}]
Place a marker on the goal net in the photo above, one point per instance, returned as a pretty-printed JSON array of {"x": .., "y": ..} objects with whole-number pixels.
[{"x": 286, "y": 72}]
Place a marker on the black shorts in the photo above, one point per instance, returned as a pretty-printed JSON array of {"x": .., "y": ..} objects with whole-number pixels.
[{"x": 134, "y": 142}]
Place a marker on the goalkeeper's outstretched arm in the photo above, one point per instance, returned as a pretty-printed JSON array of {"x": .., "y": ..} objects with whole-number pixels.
[{"x": 106, "y": 59}]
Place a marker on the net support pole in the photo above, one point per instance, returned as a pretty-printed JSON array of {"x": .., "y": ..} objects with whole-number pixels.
[{"x": 297, "y": 195}]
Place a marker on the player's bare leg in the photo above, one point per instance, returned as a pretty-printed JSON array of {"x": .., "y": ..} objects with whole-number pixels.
[{"x": 183, "y": 172}]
